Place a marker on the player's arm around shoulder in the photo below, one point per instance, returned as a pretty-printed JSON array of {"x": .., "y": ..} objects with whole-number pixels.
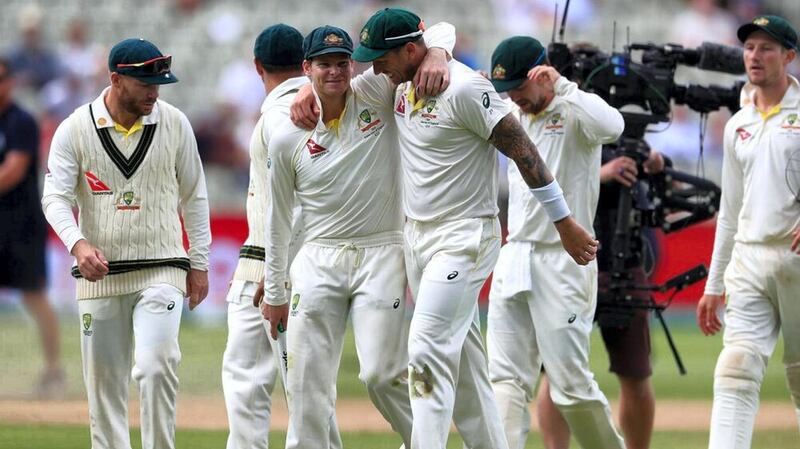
[{"x": 194, "y": 205}]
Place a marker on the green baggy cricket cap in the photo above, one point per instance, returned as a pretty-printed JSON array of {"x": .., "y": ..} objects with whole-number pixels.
[
  {"x": 142, "y": 60},
  {"x": 327, "y": 39},
  {"x": 279, "y": 45},
  {"x": 387, "y": 29},
  {"x": 512, "y": 59},
  {"x": 777, "y": 27}
]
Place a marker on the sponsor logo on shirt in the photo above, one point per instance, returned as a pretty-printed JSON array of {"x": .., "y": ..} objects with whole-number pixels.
[
  {"x": 400, "y": 108},
  {"x": 315, "y": 149},
  {"x": 743, "y": 134},
  {"x": 97, "y": 186},
  {"x": 129, "y": 201},
  {"x": 485, "y": 100}
]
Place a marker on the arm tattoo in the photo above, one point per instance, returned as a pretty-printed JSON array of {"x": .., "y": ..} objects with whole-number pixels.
[{"x": 510, "y": 138}]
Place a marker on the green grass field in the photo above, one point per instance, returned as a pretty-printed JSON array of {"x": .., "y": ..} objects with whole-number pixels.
[
  {"x": 64, "y": 437},
  {"x": 202, "y": 348}
]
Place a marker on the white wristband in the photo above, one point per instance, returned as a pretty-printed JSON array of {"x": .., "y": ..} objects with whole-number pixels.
[{"x": 552, "y": 199}]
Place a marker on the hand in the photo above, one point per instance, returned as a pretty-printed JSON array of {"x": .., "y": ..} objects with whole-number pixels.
[
  {"x": 91, "y": 262},
  {"x": 707, "y": 317},
  {"x": 258, "y": 296},
  {"x": 622, "y": 170},
  {"x": 654, "y": 163},
  {"x": 278, "y": 317},
  {"x": 304, "y": 111},
  {"x": 433, "y": 75},
  {"x": 578, "y": 243},
  {"x": 545, "y": 76},
  {"x": 196, "y": 287},
  {"x": 796, "y": 241}
]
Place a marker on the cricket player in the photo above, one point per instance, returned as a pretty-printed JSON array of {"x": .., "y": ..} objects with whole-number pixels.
[
  {"x": 542, "y": 304},
  {"x": 452, "y": 234},
  {"x": 252, "y": 359},
  {"x": 756, "y": 259},
  {"x": 128, "y": 161},
  {"x": 344, "y": 173}
]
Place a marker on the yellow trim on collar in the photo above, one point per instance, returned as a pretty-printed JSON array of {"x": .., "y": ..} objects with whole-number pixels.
[
  {"x": 128, "y": 132},
  {"x": 411, "y": 96},
  {"x": 334, "y": 124},
  {"x": 772, "y": 112}
]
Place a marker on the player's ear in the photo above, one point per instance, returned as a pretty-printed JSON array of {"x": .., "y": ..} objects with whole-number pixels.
[
  {"x": 790, "y": 55},
  {"x": 307, "y": 67},
  {"x": 259, "y": 67},
  {"x": 116, "y": 79}
]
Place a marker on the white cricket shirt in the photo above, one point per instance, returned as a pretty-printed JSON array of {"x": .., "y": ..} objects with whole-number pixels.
[
  {"x": 346, "y": 179},
  {"x": 569, "y": 135},
  {"x": 274, "y": 114},
  {"x": 757, "y": 205}
]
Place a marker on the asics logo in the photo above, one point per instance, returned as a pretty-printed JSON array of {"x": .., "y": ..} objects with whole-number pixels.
[{"x": 452, "y": 275}]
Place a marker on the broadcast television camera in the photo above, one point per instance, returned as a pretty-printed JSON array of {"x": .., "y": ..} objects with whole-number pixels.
[{"x": 640, "y": 82}]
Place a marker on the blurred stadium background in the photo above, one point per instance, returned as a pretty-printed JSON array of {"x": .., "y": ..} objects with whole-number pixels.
[{"x": 59, "y": 48}]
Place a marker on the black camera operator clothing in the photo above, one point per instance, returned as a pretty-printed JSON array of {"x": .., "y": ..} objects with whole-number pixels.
[
  {"x": 625, "y": 330},
  {"x": 23, "y": 231}
]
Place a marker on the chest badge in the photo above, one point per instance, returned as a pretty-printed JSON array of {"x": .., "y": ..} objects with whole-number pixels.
[
  {"x": 129, "y": 201},
  {"x": 368, "y": 120}
]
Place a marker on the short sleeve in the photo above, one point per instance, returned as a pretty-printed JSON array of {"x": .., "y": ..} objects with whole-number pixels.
[{"x": 477, "y": 106}]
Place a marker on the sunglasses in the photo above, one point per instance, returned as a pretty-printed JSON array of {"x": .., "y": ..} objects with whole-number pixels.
[{"x": 155, "y": 66}]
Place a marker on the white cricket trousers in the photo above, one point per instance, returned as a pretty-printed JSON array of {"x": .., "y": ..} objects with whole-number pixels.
[
  {"x": 365, "y": 278},
  {"x": 109, "y": 327},
  {"x": 447, "y": 264},
  {"x": 762, "y": 284},
  {"x": 541, "y": 309},
  {"x": 249, "y": 370}
]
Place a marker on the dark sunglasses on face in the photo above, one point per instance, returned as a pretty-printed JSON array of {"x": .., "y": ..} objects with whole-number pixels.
[{"x": 155, "y": 66}]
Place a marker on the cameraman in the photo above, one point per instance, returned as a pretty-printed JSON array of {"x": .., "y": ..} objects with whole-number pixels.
[
  {"x": 627, "y": 337},
  {"x": 542, "y": 303},
  {"x": 756, "y": 260}
]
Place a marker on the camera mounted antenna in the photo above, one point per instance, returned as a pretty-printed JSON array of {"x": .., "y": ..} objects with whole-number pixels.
[
  {"x": 563, "y": 22},
  {"x": 555, "y": 24}
]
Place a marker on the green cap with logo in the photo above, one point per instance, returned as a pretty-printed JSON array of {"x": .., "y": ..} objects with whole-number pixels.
[
  {"x": 279, "y": 45},
  {"x": 779, "y": 28},
  {"x": 387, "y": 29},
  {"x": 512, "y": 59},
  {"x": 142, "y": 60},
  {"x": 327, "y": 39}
]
